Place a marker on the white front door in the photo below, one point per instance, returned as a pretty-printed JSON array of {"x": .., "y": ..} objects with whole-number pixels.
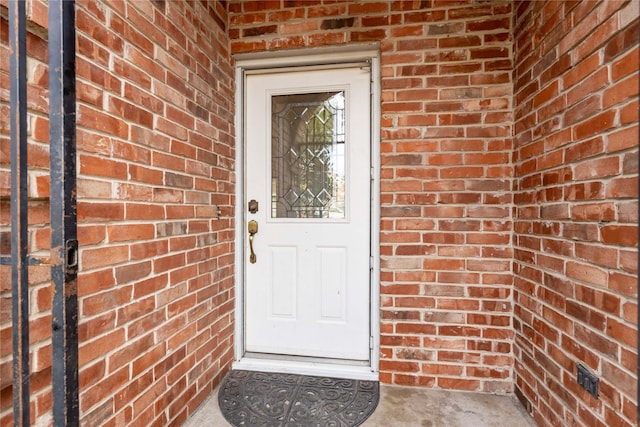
[{"x": 307, "y": 291}]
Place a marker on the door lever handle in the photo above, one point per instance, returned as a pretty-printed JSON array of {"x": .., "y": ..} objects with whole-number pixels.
[{"x": 253, "y": 229}]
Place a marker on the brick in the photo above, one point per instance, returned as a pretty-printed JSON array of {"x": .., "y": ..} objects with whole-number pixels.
[
  {"x": 100, "y": 211},
  {"x": 399, "y": 341},
  {"x": 89, "y": 49},
  {"x": 416, "y": 44},
  {"x": 619, "y": 235},
  {"x": 253, "y": 46},
  {"x": 144, "y": 174},
  {"x": 143, "y": 98},
  {"x": 259, "y": 31},
  {"x": 585, "y": 191},
  {"x": 119, "y": 233},
  {"x": 621, "y": 91},
  {"x": 623, "y": 381},
  {"x": 133, "y": 192},
  {"x": 97, "y": 391},
  {"x": 283, "y": 43},
  {"x": 100, "y": 257},
  {"x": 332, "y": 24},
  {"x": 622, "y": 41},
  {"x": 585, "y": 149},
  {"x": 326, "y": 39},
  {"x": 101, "y": 122},
  {"x": 100, "y": 346},
  {"x": 125, "y": 354},
  {"x": 626, "y": 65},
  {"x": 89, "y": 94},
  {"x": 368, "y": 8},
  {"x": 143, "y": 211},
  {"x": 130, "y": 112},
  {"x": 133, "y": 73},
  {"x": 459, "y": 42},
  {"x": 623, "y": 333},
  {"x": 489, "y": 53},
  {"x": 589, "y": 85},
  {"x": 609, "y": 166},
  {"x": 627, "y": 211},
  {"x": 169, "y": 262},
  {"x": 131, "y": 272},
  {"x": 622, "y": 187},
  {"x": 149, "y": 286},
  {"x": 148, "y": 249},
  {"x": 407, "y": 31}
]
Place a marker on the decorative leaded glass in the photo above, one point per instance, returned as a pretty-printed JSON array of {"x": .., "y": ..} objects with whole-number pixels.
[{"x": 307, "y": 155}]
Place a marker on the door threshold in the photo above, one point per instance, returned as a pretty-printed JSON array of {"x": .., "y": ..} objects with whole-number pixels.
[{"x": 279, "y": 364}]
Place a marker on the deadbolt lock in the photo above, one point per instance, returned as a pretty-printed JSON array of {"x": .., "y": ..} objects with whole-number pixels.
[{"x": 253, "y": 206}]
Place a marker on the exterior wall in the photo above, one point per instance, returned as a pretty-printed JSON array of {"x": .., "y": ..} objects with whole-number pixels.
[
  {"x": 446, "y": 174},
  {"x": 509, "y": 198},
  {"x": 155, "y": 208},
  {"x": 576, "y": 157}
]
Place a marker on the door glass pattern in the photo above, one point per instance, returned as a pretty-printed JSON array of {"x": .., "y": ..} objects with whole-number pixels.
[{"x": 307, "y": 155}]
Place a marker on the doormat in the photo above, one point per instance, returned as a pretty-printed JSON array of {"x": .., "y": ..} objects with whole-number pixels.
[{"x": 248, "y": 398}]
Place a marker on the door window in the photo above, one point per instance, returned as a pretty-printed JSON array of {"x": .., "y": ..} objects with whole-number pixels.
[{"x": 307, "y": 155}]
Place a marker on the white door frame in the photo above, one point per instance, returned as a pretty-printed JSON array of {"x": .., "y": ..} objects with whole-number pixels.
[{"x": 326, "y": 57}]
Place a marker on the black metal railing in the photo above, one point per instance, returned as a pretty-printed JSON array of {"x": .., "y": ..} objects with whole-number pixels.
[
  {"x": 19, "y": 211},
  {"x": 64, "y": 245}
]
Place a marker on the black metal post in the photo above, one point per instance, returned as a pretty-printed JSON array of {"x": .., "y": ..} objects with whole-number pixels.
[
  {"x": 19, "y": 217},
  {"x": 64, "y": 244}
]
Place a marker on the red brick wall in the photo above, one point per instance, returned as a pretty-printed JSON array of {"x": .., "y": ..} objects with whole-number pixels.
[
  {"x": 155, "y": 208},
  {"x": 495, "y": 249},
  {"x": 446, "y": 174},
  {"x": 576, "y": 158}
]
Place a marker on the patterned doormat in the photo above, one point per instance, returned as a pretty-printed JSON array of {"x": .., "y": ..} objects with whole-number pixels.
[{"x": 249, "y": 398}]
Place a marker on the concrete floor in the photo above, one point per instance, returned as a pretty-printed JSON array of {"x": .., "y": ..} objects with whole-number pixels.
[{"x": 415, "y": 407}]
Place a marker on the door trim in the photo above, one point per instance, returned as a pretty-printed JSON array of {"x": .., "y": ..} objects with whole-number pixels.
[{"x": 309, "y": 59}]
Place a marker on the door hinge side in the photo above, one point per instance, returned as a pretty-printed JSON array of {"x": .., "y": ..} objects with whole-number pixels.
[
  {"x": 371, "y": 343},
  {"x": 370, "y": 263}
]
